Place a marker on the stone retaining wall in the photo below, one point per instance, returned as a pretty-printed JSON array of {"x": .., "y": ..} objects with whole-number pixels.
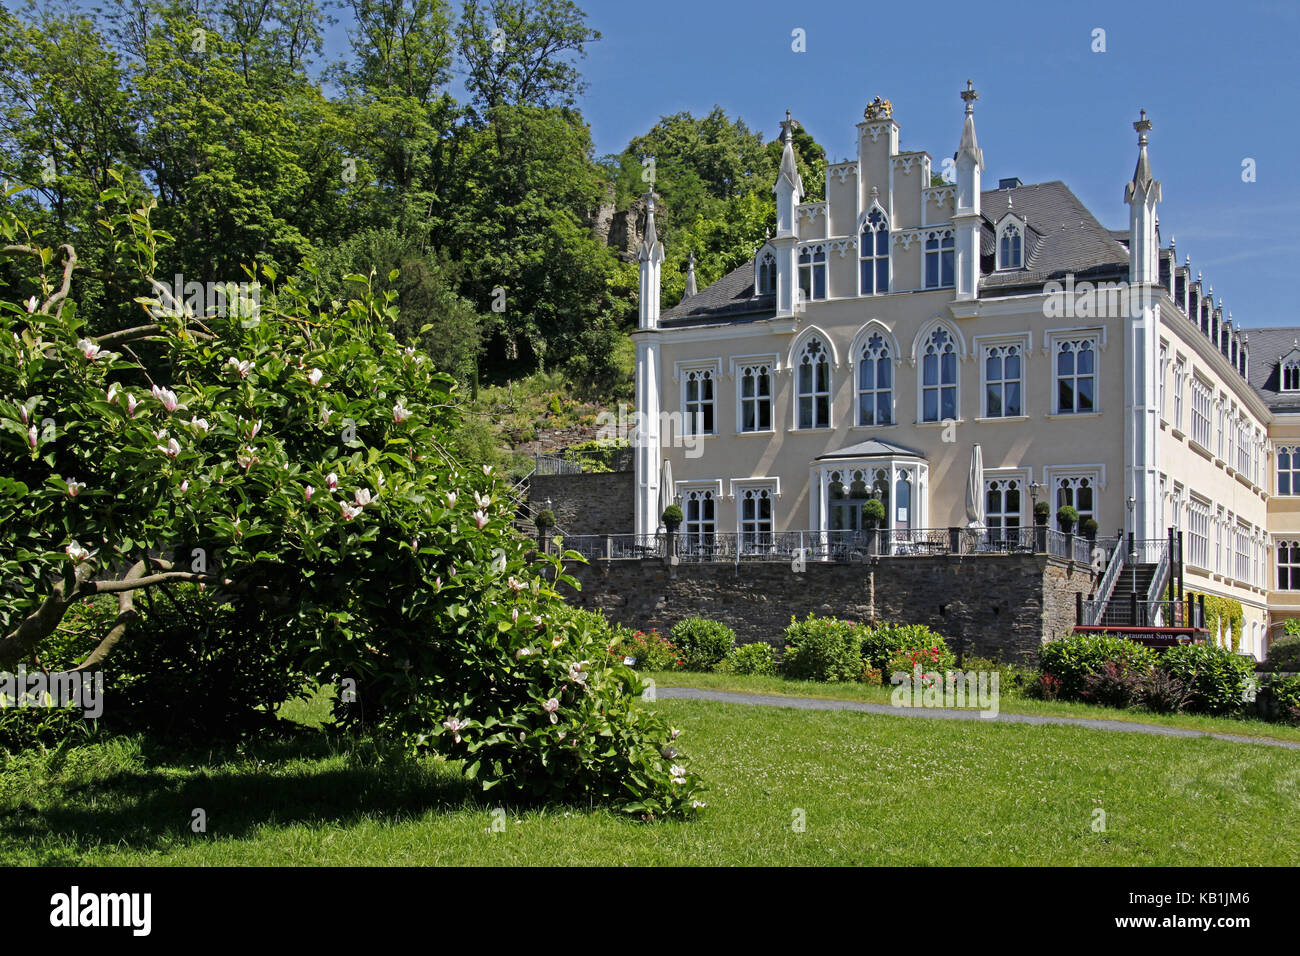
[
  {"x": 991, "y": 605},
  {"x": 586, "y": 503}
]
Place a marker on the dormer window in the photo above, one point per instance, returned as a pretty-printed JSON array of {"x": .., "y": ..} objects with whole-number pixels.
[
  {"x": 1291, "y": 375},
  {"x": 1009, "y": 248},
  {"x": 1011, "y": 242},
  {"x": 873, "y": 253},
  {"x": 767, "y": 273}
]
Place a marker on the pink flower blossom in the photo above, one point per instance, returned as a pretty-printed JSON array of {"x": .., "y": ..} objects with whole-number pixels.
[
  {"x": 131, "y": 404},
  {"x": 482, "y": 501},
  {"x": 332, "y": 481},
  {"x": 400, "y": 414},
  {"x": 516, "y": 585},
  {"x": 31, "y": 436},
  {"x": 111, "y": 394},
  {"x": 314, "y": 376},
  {"x": 243, "y": 368},
  {"x": 551, "y": 706},
  {"x": 363, "y": 497},
  {"x": 325, "y": 414},
  {"x": 451, "y": 499},
  {"x": 350, "y": 512},
  {"x": 32, "y": 303},
  {"x": 89, "y": 349},
  {"x": 480, "y": 519},
  {"x": 309, "y": 491},
  {"x": 200, "y": 425},
  {"x": 75, "y": 487},
  {"x": 185, "y": 486},
  {"x": 172, "y": 449},
  {"x": 246, "y": 459}
]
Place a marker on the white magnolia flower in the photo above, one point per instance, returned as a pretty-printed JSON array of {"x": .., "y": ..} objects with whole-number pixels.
[
  {"x": 332, "y": 481},
  {"x": 31, "y": 436},
  {"x": 482, "y": 501},
  {"x": 480, "y": 519},
  {"x": 172, "y": 449},
  {"x": 400, "y": 414},
  {"x": 185, "y": 486},
  {"x": 77, "y": 553},
  {"x": 88, "y": 348},
  {"x": 451, "y": 499},
  {"x": 678, "y": 774},
  {"x": 314, "y": 376},
  {"x": 455, "y": 726},
  {"x": 167, "y": 397},
  {"x": 363, "y": 497},
  {"x": 75, "y": 487},
  {"x": 200, "y": 425},
  {"x": 325, "y": 414},
  {"x": 131, "y": 404},
  {"x": 551, "y": 706},
  {"x": 243, "y": 368},
  {"x": 32, "y": 303},
  {"x": 350, "y": 512},
  {"x": 516, "y": 585},
  {"x": 111, "y": 394},
  {"x": 576, "y": 672},
  {"x": 524, "y": 652},
  {"x": 246, "y": 459}
]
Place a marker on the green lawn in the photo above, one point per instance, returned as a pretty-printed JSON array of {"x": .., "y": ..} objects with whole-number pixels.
[
  {"x": 1007, "y": 703},
  {"x": 873, "y": 790}
]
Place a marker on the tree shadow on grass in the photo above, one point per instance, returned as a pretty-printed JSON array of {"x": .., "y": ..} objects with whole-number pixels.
[{"x": 147, "y": 810}]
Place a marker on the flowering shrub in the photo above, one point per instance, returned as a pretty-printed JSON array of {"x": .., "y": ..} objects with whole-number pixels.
[
  {"x": 882, "y": 642},
  {"x": 822, "y": 649},
  {"x": 1161, "y": 693},
  {"x": 1072, "y": 658},
  {"x": 931, "y": 659},
  {"x": 1049, "y": 687},
  {"x": 757, "y": 659},
  {"x": 703, "y": 643},
  {"x": 652, "y": 651},
  {"x": 292, "y": 460}
]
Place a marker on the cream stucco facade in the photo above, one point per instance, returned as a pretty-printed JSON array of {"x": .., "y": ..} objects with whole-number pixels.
[{"x": 881, "y": 334}]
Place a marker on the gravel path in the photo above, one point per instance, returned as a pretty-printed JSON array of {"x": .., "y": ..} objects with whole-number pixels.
[{"x": 817, "y": 703}]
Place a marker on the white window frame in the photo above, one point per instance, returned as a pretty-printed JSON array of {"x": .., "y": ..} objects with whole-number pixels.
[
  {"x": 1056, "y": 340},
  {"x": 1056, "y": 475},
  {"x": 1202, "y": 425},
  {"x": 1022, "y": 477},
  {"x": 812, "y": 265},
  {"x": 739, "y": 363},
  {"x": 1007, "y": 224},
  {"x": 682, "y": 371},
  {"x": 954, "y": 340},
  {"x": 831, "y": 364},
  {"x": 740, "y": 487},
  {"x": 983, "y": 345},
  {"x": 1292, "y": 470},
  {"x": 856, "y": 363},
  {"x": 874, "y": 258},
  {"x": 1286, "y": 554},
  {"x": 1288, "y": 374},
  {"x": 1198, "y": 532},
  {"x": 947, "y": 246},
  {"x": 683, "y": 492}
]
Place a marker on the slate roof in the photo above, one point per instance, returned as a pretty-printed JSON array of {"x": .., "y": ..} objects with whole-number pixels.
[
  {"x": 1062, "y": 237},
  {"x": 1267, "y": 346},
  {"x": 871, "y": 448}
]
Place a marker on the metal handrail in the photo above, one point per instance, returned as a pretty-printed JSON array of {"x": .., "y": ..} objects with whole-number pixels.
[
  {"x": 1106, "y": 586},
  {"x": 1161, "y": 576}
]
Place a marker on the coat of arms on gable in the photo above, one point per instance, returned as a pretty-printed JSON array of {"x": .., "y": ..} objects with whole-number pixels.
[{"x": 878, "y": 109}]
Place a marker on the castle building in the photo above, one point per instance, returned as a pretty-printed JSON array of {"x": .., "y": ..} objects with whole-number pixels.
[{"x": 882, "y": 333}]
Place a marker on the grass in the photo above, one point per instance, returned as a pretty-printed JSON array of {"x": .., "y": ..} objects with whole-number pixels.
[
  {"x": 1007, "y": 703},
  {"x": 870, "y": 790}
]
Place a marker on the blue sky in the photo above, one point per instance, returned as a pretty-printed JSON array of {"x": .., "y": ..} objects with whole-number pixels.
[{"x": 1217, "y": 80}]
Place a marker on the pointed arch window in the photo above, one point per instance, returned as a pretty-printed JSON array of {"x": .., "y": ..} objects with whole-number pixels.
[
  {"x": 875, "y": 382},
  {"x": 1010, "y": 247},
  {"x": 812, "y": 272},
  {"x": 939, "y": 378},
  {"x": 873, "y": 254},
  {"x": 1291, "y": 375},
  {"x": 813, "y": 386},
  {"x": 767, "y": 274}
]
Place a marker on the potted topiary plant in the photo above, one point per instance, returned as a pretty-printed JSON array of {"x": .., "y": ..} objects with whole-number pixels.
[
  {"x": 672, "y": 519},
  {"x": 873, "y": 517},
  {"x": 1066, "y": 517},
  {"x": 1088, "y": 526},
  {"x": 1042, "y": 510},
  {"x": 545, "y": 520}
]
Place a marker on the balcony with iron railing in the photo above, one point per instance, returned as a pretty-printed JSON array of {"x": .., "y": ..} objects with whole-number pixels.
[{"x": 839, "y": 546}]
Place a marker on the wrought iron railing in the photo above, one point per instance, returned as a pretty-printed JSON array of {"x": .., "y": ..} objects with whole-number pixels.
[
  {"x": 1105, "y": 587},
  {"x": 1118, "y": 612},
  {"x": 839, "y": 546},
  {"x": 1161, "y": 577}
]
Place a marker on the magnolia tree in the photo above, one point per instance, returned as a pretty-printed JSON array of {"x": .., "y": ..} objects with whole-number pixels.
[{"x": 284, "y": 454}]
